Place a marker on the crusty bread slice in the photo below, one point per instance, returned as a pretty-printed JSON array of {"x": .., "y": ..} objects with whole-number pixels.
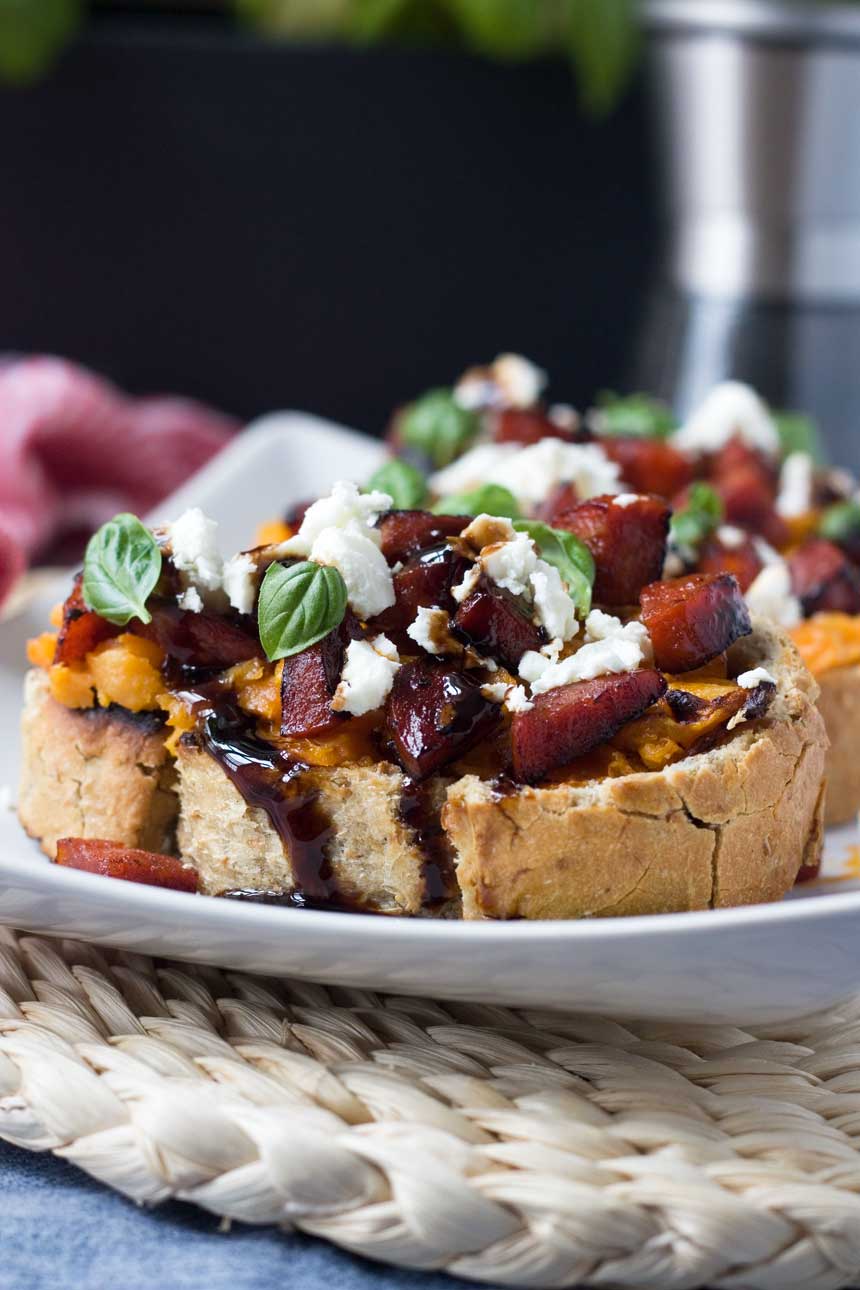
[
  {"x": 94, "y": 773},
  {"x": 839, "y": 705},
  {"x": 730, "y": 826}
]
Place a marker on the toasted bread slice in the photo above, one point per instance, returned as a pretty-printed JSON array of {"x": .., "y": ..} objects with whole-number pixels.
[{"x": 839, "y": 705}]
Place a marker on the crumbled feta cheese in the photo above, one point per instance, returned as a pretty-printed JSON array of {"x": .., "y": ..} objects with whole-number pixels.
[
  {"x": 495, "y": 691},
  {"x": 795, "y": 485},
  {"x": 730, "y": 409},
  {"x": 771, "y": 596},
  {"x": 731, "y": 537},
  {"x": 599, "y": 625},
  {"x": 765, "y": 552},
  {"x": 510, "y": 382},
  {"x": 517, "y": 700},
  {"x": 533, "y": 665},
  {"x": 194, "y": 551},
  {"x": 486, "y": 530},
  {"x": 531, "y": 473},
  {"x": 511, "y": 564},
  {"x": 344, "y": 507},
  {"x": 626, "y": 499},
  {"x": 749, "y": 680},
  {"x": 490, "y": 664},
  {"x": 190, "y": 600},
  {"x": 431, "y": 631},
  {"x": 673, "y": 565},
  {"x": 553, "y": 649},
  {"x": 363, "y": 567},
  {"x": 563, "y": 415},
  {"x": 464, "y": 589},
  {"x": 554, "y": 609},
  {"x": 240, "y": 582},
  {"x": 367, "y": 677},
  {"x": 611, "y": 648}
]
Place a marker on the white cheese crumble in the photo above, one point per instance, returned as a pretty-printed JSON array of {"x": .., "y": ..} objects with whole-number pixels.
[
  {"x": 554, "y": 609},
  {"x": 771, "y": 596},
  {"x": 339, "y": 530},
  {"x": 495, "y": 691},
  {"x": 239, "y": 580},
  {"x": 795, "y": 485},
  {"x": 194, "y": 551},
  {"x": 730, "y": 409},
  {"x": 517, "y": 700},
  {"x": 190, "y": 600},
  {"x": 749, "y": 680},
  {"x": 610, "y": 648},
  {"x": 626, "y": 499},
  {"x": 510, "y": 382},
  {"x": 531, "y": 473},
  {"x": 563, "y": 415},
  {"x": 731, "y": 536},
  {"x": 485, "y": 530},
  {"x": 464, "y": 589},
  {"x": 367, "y": 676},
  {"x": 430, "y": 631},
  {"x": 511, "y": 564}
]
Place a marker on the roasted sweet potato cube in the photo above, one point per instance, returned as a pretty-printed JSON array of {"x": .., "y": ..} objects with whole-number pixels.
[
  {"x": 569, "y": 721},
  {"x": 628, "y": 542},
  {"x": 404, "y": 533},
  {"x": 81, "y": 630},
  {"x": 650, "y": 465},
  {"x": 498, "y": 624},
  {"x": 744, "y": 561},
  {"x": 308, "y": 683},
  {"x": 824, "y": 579},
  {"x": 113, "y": 860},
  {"x": 434, "y": 715},
  {"x": 694, "y": 618}
]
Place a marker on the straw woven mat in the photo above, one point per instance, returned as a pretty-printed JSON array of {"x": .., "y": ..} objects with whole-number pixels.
[{"x": 515, "y": 1148}]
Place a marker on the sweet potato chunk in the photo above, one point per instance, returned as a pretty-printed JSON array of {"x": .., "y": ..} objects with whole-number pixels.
[
  {"x": 308, "y": 683},
  {"x": 404, "y": 533},
  {"x": 81, "y": 630},
  {"x": 694, "y": 618},
  {"x": 824, "y": 579},
  {"x": 568, "y": 722},
  {"x": 497, "y": 624},
  {"x": 113, "y": 860},
  {"x": 628, "y": 543},
  {"x": 650, "y": 465},
  {"x": 744, "y": 561},
  {"x": 435, "y": 715}
]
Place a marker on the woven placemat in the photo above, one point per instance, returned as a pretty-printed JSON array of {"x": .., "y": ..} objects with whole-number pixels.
[{"x": 517, "y": 1148}]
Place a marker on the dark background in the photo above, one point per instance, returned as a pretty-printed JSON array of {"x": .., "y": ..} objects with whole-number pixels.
[{"x": 187, "y": 207}]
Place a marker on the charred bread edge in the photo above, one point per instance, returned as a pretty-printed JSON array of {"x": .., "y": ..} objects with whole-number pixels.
[
  {"x": 94, "y": 772},
  {"x": 729, "y": 826},
  {"x": 839, "y": 705}
]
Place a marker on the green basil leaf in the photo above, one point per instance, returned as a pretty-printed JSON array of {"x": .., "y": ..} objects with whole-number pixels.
[
  {"x": 633, "y": 416},
  {"x": 489, "y": 499},
  {"x": 840, "y": 521},
  {"x": 568, "y": 554},
  {"x": 603, "y": 40},
  {"x": 121, "y": 567},
  {"x": 403, "y": 482},
  {"x": 298, "y": 605},
  {"x": 438, "y": 426},
  {"x": 799, "y": 433},
  {"x": 702, "y": 514}
]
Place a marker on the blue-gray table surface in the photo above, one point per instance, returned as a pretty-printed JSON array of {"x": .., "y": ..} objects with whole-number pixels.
[{"x": 59, "y": 1229}]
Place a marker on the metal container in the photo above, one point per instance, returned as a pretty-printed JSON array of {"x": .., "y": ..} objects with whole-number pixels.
[{"x": 757, "y": 108}]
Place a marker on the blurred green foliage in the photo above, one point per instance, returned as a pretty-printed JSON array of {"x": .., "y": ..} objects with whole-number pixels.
[{"x": 599, "y": 37}]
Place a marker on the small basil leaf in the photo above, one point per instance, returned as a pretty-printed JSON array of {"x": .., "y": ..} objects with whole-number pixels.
[
  {"x": 702, "y": 514},
  {"x": 404, "y": 484},
  {"x": 298, "y": 605},
  {"x": 799, "y": 433},
  {"x": 489, "y": 499},
  {"x": 840, "y": 521},
  {"x": 633, "y": 416},
  {"x": 121, "y": 567},
  {"x": 568, "y": 554},
  {"x": 437, "y": 425}
]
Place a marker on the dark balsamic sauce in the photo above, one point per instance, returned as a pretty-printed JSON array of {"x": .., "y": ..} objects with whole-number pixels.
[{"x": 418, "y": 812}]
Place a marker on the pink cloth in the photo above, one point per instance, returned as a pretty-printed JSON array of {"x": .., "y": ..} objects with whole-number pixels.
[{"x": 74, "y": 451}]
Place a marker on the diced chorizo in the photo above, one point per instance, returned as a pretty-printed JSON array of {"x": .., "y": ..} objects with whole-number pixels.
[
  {"x": 824, "y": 579},
  {"x": 81, "y": 629},
  {"x": 308, "y": 683},
  {"x": 404, "y": 533},
  {"x": 744, "y": 561},
  {"x": 627, "y": 541},
  {"x": 526, "y": 426},
  {"x": 569, "y": 721},
  {"x": 498, "y": 624},
  {"x": 692, "y": 619},
  {"x": 650, "y": 465},
  {"x": 207, "y": 640},
  {"x": 113, "y": 860},
  {"x": 424, "y": 581},
  {"x": 434, "y": 715}
]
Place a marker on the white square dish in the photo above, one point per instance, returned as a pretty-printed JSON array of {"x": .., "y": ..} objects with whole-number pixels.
[{"x": 748, "y": 965}]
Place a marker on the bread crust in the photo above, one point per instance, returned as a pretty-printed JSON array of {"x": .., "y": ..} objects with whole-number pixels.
[
  {"x": 93, "y": 773},
  {"x": 725, "y": 827},
  {"x": 839, "y": 705}
]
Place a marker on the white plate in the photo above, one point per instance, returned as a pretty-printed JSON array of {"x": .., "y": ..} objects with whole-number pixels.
[{"x": 741, "y": 965}]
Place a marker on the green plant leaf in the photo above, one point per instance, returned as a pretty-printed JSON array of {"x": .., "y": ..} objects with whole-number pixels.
[
  {"x": 489, "y": 499},
  {"x": 403, "y": 482},
  {"x": 121, "y": 567},
  {"x": 800, "y": 433},
  {"x": 634, "y": 416},
  {"x": 438, "y": 426},
  {"x": 32, "y": 33},
  {"x": 568, "y": 554},
  {"x": 603, "y": 41},
  {"x": 298, "y": 605},
  {"x": 507, "y": 29},
  {"x": 702, "y": 514},
  {"x": 840, "y": 521}
]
